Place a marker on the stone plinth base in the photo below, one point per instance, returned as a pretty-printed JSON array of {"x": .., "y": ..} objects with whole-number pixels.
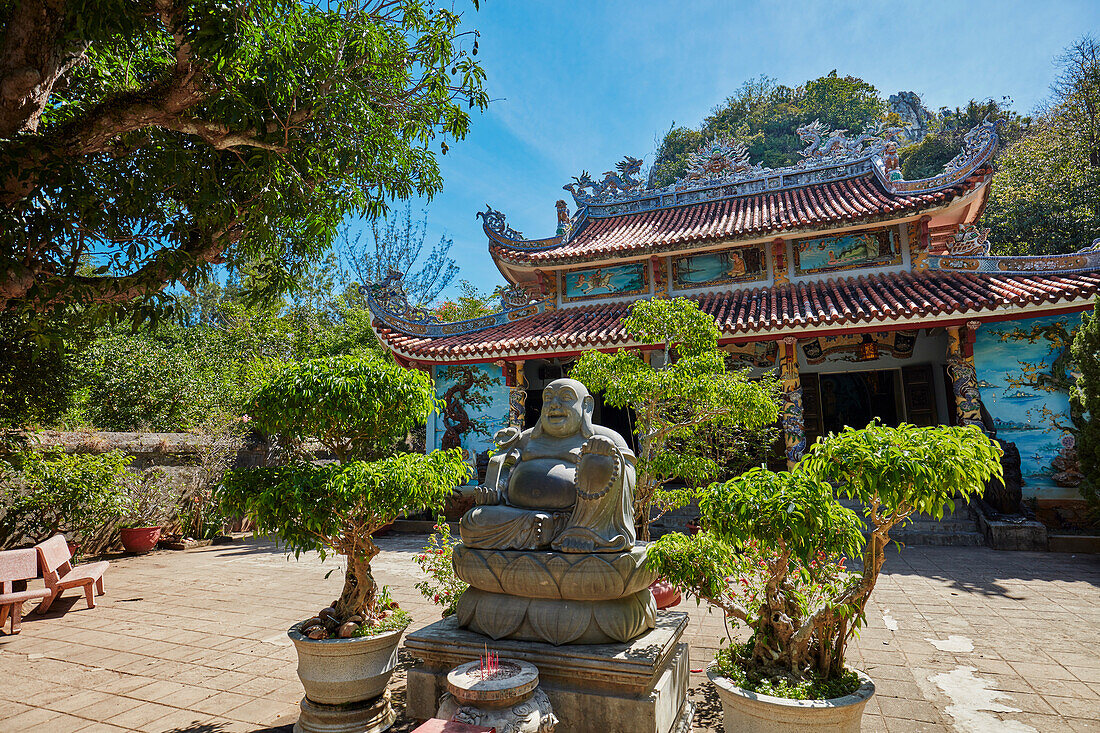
[
  {"x": 373, "y": 716},
  {"x": 639, "y": 686}
]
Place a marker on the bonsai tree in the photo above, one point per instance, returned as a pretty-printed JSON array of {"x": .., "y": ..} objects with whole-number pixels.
[
  {"x": 358, "y": 407},
  {"x": 773, "y": 547},
  {"x": 690, "y": 393}
]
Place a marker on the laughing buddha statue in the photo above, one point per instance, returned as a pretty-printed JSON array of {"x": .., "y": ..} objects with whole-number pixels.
[
  {"x": 565, "y": 484},
  {"x": 549, "y": 548}
]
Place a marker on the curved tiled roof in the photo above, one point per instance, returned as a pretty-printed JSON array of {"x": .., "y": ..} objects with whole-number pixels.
[
  {"x": 880, "y": 299},
  {"x": 817, "y": 206}
]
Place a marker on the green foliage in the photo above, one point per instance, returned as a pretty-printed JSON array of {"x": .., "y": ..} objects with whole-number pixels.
[
  {"x": 733, "y": 662},
  {"x": 356, "y": 406},
  {"x": 471, "y": 303},
  {"x": 150, "y": 382},
  {"x": 1085, "y": 400},
  {"x": 691, "y": 393},
  {"x": 1045, "y": 199},
  {"x": 210, "y": 131},
  {"x": 38, "y": 379},
  {"x": 314, "y": 508},
  {"x": 793, "y": 510},
  {"x": 771, "y": 553},
  {"x": 841, "y": 102},
  {"x": 443, "y": 587},
  {"x": 50, "y": 491},
  {"x": 764, "y": 115},
  {"x": 906, "y": 469}
]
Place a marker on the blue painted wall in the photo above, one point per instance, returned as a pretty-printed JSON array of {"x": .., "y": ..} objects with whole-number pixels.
[
  {"x": 486, "y": 405},
  {"x": 1023, "y": 374}
]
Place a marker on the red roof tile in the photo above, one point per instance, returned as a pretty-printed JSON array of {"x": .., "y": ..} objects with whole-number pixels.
[
  {"x": 820, "y": 205},
  {"x": 933, "y": 295}
]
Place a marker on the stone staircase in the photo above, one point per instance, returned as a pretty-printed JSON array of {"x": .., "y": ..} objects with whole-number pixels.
[{"x": 957, "y": 529}]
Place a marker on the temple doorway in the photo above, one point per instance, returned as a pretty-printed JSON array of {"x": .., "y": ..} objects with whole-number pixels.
[{"x": 833, "y": 401}]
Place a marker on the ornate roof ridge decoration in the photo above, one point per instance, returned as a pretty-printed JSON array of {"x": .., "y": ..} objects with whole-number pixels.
[
  {"x": 978, "y": 260},
  {"x": 978, "y": 146},
  {"x": 496, "y": 229},
  {"x": 388, "y": 303},
  {"x": 719, "y": 170}
]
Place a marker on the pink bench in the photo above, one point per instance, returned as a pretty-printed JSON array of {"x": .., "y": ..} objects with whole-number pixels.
[
  {"x": 60, "y": 575},
  {"x": 17, "y": 566}
]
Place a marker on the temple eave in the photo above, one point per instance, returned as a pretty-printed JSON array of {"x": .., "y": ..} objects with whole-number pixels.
[{"x": 571, "y": 331}]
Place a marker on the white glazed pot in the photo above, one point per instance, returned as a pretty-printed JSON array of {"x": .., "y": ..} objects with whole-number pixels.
[
  {"x": 750, "y": 712},
  {"x": 342, "y": 671}
]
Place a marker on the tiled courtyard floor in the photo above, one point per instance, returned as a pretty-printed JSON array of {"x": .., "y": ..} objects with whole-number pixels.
[{"x": 958, "y": 639}]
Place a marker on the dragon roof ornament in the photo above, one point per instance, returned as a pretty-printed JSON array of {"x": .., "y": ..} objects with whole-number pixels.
[
  {"x": 498, "y": 230},
  {"x": 721, "y": 169},
  {"x": 389, "y": 303}
]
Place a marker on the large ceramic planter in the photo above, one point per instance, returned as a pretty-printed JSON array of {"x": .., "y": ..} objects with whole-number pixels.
[
  {"x": 750, "y": 712},
  {"x": 139, "y": 539},
  {"x": 344, "y": 671}
]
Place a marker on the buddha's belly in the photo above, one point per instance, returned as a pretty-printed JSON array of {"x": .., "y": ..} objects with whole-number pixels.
[{"x": 543, "y": 483}]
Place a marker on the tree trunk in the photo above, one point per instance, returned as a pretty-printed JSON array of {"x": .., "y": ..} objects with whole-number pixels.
[{"x": 359, "y": 590}]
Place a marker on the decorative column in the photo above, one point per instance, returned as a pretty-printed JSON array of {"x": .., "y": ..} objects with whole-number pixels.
[
  {"x": 964, "y": 379},
  {"x": 919, "y": 242},
  {"x": 516, "y": 380},
  {"x": 780, "y": 270},
  {"x": 794, "y": 428}
]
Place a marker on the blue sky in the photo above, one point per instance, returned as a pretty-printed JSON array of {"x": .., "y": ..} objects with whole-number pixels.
[{"x": 579, "y": 85}]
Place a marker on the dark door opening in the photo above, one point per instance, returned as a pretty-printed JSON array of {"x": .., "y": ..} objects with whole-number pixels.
[
  {"x": 619, "y": 419},
  {"x": 855, "y": 398}
]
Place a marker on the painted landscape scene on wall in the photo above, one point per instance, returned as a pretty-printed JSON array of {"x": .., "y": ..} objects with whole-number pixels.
[
  {"x": 715, "y": 268},
  {"x": 1024, "y": 376},
  {"x": 606, "y": 281},
  {"x": 822, "y": 254}
]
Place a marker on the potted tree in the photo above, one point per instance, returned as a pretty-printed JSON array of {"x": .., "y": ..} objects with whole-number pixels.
[
  {"x": 358, "y": 407},
  {"x": 771, "y": 555},
  {"x": 145, "y": 504}
]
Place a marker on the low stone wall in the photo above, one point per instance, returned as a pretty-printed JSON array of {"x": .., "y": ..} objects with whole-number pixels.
[{"x": 176, "y": 455}]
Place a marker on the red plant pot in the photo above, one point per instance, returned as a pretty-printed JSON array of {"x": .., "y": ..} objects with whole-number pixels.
[
  {"x": 666, "y": 594},
  {"x": 139, "y": 539}
]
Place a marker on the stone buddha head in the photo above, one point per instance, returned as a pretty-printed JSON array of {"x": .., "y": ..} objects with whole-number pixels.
[{"x": 566, "y": 409}]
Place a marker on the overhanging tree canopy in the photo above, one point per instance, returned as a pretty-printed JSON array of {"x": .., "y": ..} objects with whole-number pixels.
[{"x": 156, "y": 138}]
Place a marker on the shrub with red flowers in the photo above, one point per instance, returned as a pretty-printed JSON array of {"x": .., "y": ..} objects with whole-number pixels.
[
  {"x": 771, "y": 552},
  {"x": 442, "y": 587}
]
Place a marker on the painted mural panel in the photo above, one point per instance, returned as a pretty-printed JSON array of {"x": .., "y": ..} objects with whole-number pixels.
[
  {"x": 898, "y": 344},
  {"x": 476, "y": 400},
  {"x": 1024, "y": 377},
  {"x": 605, "y": 282},
  {"x": 847, "y": 251},
  {"x": 718, "y": 268}
]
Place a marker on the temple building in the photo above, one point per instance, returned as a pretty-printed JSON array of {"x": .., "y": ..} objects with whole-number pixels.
[{"x": 871, "y": 295}]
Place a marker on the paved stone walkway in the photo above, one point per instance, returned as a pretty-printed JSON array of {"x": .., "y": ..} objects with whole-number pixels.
[{"x": 963, "y": 639}]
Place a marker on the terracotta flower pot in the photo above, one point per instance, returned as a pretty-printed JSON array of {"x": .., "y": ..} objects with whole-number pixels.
[
  {"x": 751, "y": 712},
  {"x": 665, "y": 593},
  {"x": 139, "y": 539}
]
